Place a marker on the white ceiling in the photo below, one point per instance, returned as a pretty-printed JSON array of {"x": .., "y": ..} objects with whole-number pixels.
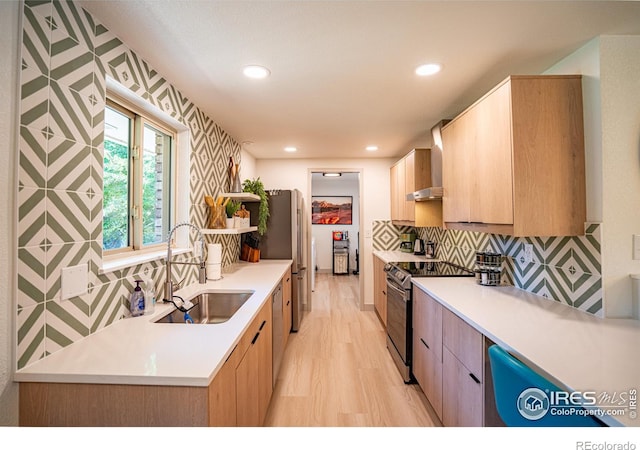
[{"x": 342, "y": 72}]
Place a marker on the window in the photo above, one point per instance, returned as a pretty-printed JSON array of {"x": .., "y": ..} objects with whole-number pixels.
[{"x": 138, "y": 174}]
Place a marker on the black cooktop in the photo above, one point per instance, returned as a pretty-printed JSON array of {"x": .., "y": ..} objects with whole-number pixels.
[{"x": 433, "y": 269}]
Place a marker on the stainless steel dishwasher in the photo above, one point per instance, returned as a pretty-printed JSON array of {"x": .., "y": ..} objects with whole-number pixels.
[{"x": 277, "y": 331}]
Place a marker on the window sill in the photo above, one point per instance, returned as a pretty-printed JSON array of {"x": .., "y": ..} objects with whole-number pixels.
[{"x": 118, "y": 262}]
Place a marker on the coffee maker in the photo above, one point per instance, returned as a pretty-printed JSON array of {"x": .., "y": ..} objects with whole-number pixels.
[
  {"x": 418, "y": 247},
  {"x": 407, "y": 241}
]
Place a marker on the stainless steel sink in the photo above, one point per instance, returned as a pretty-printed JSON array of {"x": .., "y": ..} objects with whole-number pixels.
[{"x": 210, "y": 307}]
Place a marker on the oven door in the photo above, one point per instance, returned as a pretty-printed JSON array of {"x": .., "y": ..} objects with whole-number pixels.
[{"x": 398, "y": 310}]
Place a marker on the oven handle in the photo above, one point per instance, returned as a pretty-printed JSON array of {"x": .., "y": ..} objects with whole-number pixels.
[{"x": 403, "y": 293}]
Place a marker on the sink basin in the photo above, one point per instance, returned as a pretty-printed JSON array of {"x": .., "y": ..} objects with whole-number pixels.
[{"x": 210, "y": 307}]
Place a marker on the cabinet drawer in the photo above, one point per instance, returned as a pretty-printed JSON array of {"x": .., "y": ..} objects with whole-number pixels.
[
  {"x": 461, "y": 394},
  {"x": 464, "y": 342}
]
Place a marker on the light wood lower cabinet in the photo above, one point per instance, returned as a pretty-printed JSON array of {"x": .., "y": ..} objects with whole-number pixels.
[
  {"x": 238, "y": 395},
  {"x": 254, "y": 372},
  {"x": 222, "y": 394},
  {"x": 427, "y": 347},
  {"x": 448, "y": 362},
  {"x": 380, "y": 289},
  {"x": 461, "y": 394},
  {"x": 462, "y": 361}
]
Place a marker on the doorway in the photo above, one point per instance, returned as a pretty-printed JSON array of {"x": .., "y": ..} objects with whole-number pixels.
[{"x": 335, "y": 211}]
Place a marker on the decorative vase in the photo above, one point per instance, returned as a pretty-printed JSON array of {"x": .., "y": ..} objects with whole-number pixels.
[
  {"x": 217, "y": 217},
  {"x": 235, "y": 184},
  {"x": 230, "y": 222},
  {"x": 234, "y": 176}
]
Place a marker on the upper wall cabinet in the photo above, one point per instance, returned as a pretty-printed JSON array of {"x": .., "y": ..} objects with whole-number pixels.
[
  {"x": 513, "y": 162},
  {"x": 412, "y": 173}
]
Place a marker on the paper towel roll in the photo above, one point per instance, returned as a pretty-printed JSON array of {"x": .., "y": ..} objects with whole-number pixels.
[
  {"x": 214, "y": 253},
  {"x": 214, "y": 271}
]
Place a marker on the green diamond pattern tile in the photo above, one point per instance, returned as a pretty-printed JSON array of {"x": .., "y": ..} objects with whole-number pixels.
[
  {"x": 31, "y": 276},
  {"x": 31, "y": 338},
  {"x": 33, "y": 158}
]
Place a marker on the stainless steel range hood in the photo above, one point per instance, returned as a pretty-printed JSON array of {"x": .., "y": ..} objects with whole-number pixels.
[{"x": 435, "y": 191}]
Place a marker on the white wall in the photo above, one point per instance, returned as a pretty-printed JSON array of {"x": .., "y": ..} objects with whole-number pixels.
[
  {"x": 611, "y": 90},
  {"x": 247, "y": 166},
  {"x": 323, "y": 233},
  {"x": 620, "y": 85},
  {"x": 586, "y": 61},
  {"x": 374, "y": 195},
  {"x": 9, "y": 44}
]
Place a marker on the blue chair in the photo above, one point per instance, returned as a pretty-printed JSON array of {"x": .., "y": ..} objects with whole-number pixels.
[{"x": 521, "y": 395}]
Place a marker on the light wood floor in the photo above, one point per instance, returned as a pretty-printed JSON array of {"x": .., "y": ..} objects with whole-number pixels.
[{"x": 337, "y": 371}]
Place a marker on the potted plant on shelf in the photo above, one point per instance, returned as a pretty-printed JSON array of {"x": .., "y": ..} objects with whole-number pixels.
[
  {"x": 255, "y": 186},
  {"x": 231, "y": 208}
]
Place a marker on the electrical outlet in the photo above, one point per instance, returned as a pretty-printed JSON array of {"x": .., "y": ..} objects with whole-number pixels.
[{"x": 528, "y": 253}]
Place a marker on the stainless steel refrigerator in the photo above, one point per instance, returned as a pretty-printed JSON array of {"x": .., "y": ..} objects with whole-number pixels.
[{"x": 284, "y": 239}]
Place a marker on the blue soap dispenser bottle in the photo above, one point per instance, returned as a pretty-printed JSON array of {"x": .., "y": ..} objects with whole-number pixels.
[{"x": 136, "y": 301}]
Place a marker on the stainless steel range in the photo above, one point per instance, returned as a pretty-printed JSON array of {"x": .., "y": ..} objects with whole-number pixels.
[{"x": 399, "y": 305}]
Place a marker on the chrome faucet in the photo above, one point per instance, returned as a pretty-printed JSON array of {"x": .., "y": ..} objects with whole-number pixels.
[{"x": 202, "y": 271}]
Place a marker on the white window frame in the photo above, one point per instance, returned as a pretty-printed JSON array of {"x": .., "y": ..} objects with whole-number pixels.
[
  {"x": 140, "y": 118},
  {"x": 119, "y": 261}
]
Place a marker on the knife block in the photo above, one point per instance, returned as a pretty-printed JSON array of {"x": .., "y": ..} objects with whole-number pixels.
[{"x": 249, "y": 254}]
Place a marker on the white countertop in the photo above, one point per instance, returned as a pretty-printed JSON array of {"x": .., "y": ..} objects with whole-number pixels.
[
  {"x": 576, "y": 350},
  {"x": 139, "y": 351},
  {"x": 397, "y": 256}
]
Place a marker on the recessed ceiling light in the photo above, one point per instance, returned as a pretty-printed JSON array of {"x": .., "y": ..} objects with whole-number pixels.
[
  {"x": 428, "y": 69},
  {"x": 331, "y": 174},
  {"x": 290, "y": 149},
  {"x": 372, "y": 148},
  {"x": 257, "y": 72}
]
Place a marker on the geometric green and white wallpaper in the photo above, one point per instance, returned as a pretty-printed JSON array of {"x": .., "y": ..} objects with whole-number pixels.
[
  {"x": 66, "y": 56},
  {"x": 565, "y": 269}
]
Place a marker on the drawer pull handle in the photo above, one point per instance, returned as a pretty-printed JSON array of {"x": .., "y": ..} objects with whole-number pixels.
[
  {"x": 255, "y": 338},
  {"x": 425, "y": 344},
  {"x": 474, "y": 378},
  {"x": 288, "y": 302},
  {"x": 264, "y": 322}
]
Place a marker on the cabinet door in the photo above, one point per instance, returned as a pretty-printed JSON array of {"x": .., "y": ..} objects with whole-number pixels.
[
  {"x": 222, "y": 394},
  {"x": 247, "y": 389},
  {"x": 380, "y": 289},
  {"x": 464, "y": 341},
  {"x": 254, "y": 373},
  {"x": 461, "y": 394},
  {"x": 492, "y": 174},
  {"x": 456, "y": 138},
  {"x": 409, "y": 186},
  {"x": 427, "y": 347},
  {"x": 394, "y": 175}
]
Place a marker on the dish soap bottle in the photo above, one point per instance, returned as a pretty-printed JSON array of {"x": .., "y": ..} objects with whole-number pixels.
[
  {"x": 136, "y": 301},
  {"x": 149, "y": 296}
]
